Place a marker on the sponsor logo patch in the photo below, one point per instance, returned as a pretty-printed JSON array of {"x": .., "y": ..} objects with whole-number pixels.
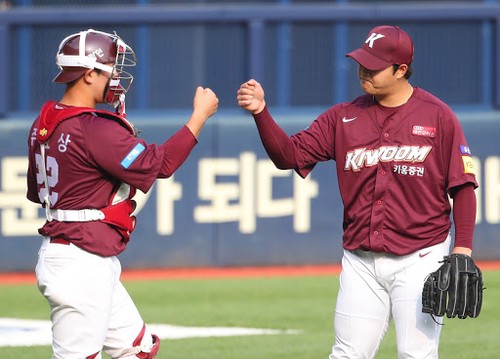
[
  {"x": 465, "y": 150},
  {"x": 132, "y": 155},
  {"x": 425, "y": 131},
  {"x": 468, "y": 165}
]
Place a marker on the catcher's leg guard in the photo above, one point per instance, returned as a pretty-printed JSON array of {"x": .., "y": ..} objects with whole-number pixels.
[
  {"x": 152, "y": 351},
  {"x": 144, "y": 346},
  {"x": 149, "y": 346}
]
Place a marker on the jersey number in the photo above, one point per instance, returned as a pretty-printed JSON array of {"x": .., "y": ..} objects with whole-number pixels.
[{"x": 52, "y": 171}]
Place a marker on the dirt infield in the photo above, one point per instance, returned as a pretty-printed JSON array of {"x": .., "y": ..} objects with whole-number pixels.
[
  {"x": 195, "y": 273},
  {"x": 214, "y": 272}
]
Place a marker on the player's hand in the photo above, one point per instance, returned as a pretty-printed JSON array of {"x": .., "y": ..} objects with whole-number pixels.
[
  {"x": 250, "y": 97},
  {"x": 205, "y": 102}
]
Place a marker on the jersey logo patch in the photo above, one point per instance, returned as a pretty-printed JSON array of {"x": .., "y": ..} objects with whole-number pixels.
[
  {"x": 358, "y": 158},
  {"x": 468, "y": 165},
  {"x": 424, "y": 131},
  {"x": 132, "y": 155},
  {"x": 465, "y": 150},
  {"x": 345, "y": 119}
]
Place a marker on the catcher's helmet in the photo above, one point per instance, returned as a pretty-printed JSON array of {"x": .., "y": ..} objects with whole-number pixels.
[{"x": 92, "y": 49}]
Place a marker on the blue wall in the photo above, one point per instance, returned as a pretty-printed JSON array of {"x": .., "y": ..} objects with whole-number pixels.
[
  {"x": 296, "y": 48},
  {"x": 228, "y": 205}
]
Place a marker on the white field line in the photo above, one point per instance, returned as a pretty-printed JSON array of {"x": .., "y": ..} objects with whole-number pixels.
[{"x": 25, "y": 332}]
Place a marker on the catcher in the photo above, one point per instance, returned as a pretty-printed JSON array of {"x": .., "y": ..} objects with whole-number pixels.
[{"x": 84, "y": 168}]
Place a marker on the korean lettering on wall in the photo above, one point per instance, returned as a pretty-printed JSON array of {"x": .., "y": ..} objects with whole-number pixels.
[{"x": 231, "y": 189}]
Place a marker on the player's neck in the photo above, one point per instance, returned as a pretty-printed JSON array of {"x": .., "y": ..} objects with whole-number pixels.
[
  {"x": 395, "y": 98},
  {"x": 78, "y": 97}
]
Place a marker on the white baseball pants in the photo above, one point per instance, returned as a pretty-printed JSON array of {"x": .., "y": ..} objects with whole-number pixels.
[
  {"x": 378, "y": 287},
  {"x": 90, "y": 308}
]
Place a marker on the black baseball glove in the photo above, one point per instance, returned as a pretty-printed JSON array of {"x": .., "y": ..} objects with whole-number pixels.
[{"x": 454, "y": 289}]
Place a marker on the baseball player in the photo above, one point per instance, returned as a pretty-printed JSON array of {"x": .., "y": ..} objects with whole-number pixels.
[
  {"x": 84, "y": 168},
  {"x": 399, "y": 153}
]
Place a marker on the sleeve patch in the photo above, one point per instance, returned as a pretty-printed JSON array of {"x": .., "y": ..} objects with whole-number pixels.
[
  {"x": 465, "y": 150},
  {"x": 132, "y": 155},
  {"x": 468, "y": 165}
]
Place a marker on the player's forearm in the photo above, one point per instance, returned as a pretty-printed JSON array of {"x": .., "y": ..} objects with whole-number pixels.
[
  {"x": 196, "y": 123},
  {"x": 464, "y": 217},
  {"x": 176, "y": 150},
  {"x": 277, "y": 143}
]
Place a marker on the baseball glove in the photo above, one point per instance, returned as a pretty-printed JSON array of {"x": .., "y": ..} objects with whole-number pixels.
[{"x": 454, "y": 289}]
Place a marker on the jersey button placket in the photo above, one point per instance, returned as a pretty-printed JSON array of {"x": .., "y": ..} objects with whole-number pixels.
[
  {"x": 377, "y": 220},
  {"x": 378, "y": 214}
]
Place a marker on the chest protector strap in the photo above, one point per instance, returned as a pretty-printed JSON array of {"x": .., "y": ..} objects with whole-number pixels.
[{"x": 118, "y": 213}]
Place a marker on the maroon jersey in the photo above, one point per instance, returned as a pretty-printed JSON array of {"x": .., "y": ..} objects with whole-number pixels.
[
  {"x": 88, "y": 156},
  {"x": 395, "y": 167}
]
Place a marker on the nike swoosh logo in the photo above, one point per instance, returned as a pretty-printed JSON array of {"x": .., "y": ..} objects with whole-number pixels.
[
  {"x": 422, "y": 255},
  {"x": 345, "y": 119}
]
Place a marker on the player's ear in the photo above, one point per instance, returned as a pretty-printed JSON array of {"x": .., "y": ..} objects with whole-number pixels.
[
  {"x": 90, "y": 75},
  {"x": 402, "y": 70}
]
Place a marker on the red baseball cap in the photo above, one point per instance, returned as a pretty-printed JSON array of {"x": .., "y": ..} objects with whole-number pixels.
[{"x": 384, "y": 46}]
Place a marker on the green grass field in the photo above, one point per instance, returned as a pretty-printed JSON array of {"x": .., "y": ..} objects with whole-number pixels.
[{"x": 304, "y": 303}]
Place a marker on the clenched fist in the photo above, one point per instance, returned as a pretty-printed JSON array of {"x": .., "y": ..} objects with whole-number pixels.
[{"x": 250, "y": 97}]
